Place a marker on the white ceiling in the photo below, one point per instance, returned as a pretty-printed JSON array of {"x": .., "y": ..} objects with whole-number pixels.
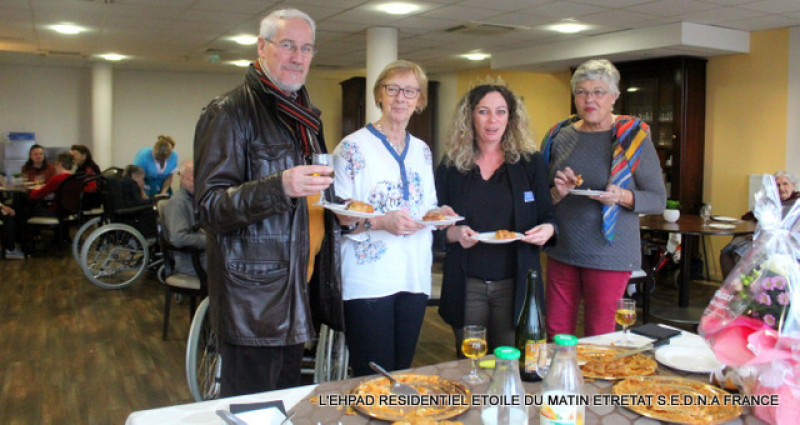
[{"x": 193, "y": 34}]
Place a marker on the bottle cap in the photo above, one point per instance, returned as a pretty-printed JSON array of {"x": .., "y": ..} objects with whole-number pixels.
[
  {"x": 565, "y": 339},
  {"x": 506, "y": 353}
]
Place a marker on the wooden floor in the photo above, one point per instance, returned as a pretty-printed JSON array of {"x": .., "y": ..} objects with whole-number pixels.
[{"x": 73, "y": 353}]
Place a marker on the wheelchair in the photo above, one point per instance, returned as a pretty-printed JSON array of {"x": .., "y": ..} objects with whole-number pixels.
[
  {"x": 204, "y": 363},
  {"x": 91, "y": 217},
  {"x": 122, "y": 243}
]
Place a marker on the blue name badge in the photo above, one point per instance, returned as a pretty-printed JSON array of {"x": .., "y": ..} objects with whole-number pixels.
[{"x": 529, "y": 196}]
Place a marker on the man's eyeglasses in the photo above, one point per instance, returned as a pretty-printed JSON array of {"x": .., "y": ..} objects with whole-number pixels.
[
  {"x": 289, "y": 47},
  {"x": 393, "y": 90},
  {"x": 597, "y": 93}
]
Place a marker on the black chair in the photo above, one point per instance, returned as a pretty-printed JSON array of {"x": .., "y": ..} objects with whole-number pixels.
[
  {"x": 67, "y": 204},
  {"x": 192, "y": 286}
]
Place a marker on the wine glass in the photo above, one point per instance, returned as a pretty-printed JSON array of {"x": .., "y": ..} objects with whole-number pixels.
[
  {"x": 625, "y": 316},
  {"x": 322, "y": 159},
  {"x": 474, "y": 346},
  {"x": 705, "y": 212}
]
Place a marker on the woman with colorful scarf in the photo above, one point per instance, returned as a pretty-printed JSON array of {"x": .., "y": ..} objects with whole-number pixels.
[{"x": 598, "y": 244}]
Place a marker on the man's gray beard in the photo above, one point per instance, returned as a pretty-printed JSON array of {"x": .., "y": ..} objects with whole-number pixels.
[{"x": 289, "y": 88}]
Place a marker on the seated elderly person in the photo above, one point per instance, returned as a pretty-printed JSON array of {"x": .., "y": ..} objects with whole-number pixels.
[
  {"x": 733, "y": 251},
  {"x": 180, "y": 221},
  {"x": 133, "y": 191}
]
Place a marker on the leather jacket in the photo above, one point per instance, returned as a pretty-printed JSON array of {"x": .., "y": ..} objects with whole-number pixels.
[{"x": 258, "y": 241}]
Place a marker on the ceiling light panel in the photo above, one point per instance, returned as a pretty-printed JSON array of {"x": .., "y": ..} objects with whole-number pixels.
[
  {"x": 67, "y": 29},
  {"x": 398, "y": 8}
]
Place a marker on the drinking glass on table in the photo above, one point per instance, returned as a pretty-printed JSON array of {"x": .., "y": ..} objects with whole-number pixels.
[
  {"x": 322, "y": 159},
  {"x": 474, "y": 346},
  {"x": 625, "y": 316},
  {"x": 705, "y": 213}
]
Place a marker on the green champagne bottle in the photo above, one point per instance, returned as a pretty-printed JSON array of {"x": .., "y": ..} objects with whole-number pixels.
[{"x": 530, "y": 333}]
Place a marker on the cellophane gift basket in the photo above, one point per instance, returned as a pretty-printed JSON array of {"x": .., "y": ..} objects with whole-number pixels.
[{"x": 753, "y": 321}]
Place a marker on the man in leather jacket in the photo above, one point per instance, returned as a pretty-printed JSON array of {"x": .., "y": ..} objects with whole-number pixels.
[{"x": 254, "y": 198}]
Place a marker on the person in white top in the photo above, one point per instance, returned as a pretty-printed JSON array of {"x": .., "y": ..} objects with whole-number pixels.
[{"x": 386, "y": 259}]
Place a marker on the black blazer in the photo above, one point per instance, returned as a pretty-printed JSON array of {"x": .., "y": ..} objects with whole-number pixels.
[{"x": 528, "y": 177}]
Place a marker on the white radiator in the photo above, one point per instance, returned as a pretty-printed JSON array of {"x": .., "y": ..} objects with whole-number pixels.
[{"x": 753, "y": 187}]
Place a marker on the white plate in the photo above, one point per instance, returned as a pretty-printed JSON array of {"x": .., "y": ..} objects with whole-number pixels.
[
  {"x": 450, "y": 220},
  {"x": 488, "y": 237},
  {"x": 722, "y": 226},
  {"x": 342, "y": 209},
  {"x": 587, "y": 192},
  {"x": 723, "y": 218},
  {"x": 688, "y": 359}
]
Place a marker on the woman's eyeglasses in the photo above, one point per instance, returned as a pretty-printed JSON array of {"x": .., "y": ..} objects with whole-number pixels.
[
  {"x": 597, "y": 94},
  {"x": 393, "y": 90}
]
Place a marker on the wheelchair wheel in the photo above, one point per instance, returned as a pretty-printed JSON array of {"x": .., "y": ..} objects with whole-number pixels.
[
  {"x": 114, "y": 256},
  {"x": 203, "y": 362},
  {"x": 80, "y": 236},
  {"x": 332, "y": 356}
]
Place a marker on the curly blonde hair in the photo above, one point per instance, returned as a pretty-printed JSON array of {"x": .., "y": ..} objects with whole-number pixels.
[{"x": 461, "y": 148}]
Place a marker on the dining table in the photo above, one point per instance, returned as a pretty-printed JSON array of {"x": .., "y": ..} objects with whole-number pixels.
[
  {"x": 304, "y": 401},
  {"x": 691, "y": 228},
  {"x": 18, "y": 192}
]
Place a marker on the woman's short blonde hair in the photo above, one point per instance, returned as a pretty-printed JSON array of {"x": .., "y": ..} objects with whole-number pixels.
[
  {"x": 461, "y": 148},
  {"x": 402, "y": 67}
]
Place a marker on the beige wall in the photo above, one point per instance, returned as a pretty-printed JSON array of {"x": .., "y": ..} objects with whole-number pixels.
[
  {"x": 746, "y": 113},
  {"x": 746, "y": 107}
]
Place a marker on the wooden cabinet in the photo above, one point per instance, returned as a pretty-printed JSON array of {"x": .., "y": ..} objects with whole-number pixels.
[
  {"x": 670, "y": 95},
  {"x": 354, "y": 98},
  {"x": 354, "y": 95}
]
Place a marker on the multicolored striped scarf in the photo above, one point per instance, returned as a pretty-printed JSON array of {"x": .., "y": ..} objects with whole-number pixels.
[
  {"x": 629, "y": 133},
  {"x": 298, "y": 110}
]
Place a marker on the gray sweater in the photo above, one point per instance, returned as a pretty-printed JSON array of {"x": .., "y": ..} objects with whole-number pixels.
[
  {"x": 179, "y": 218},
  {"x": 580, "y": 239}
]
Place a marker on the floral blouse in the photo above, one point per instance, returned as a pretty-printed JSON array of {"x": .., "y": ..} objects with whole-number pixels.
[{"x": 377, "y": 263}]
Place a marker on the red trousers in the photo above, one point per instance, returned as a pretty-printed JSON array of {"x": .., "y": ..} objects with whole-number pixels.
[{"x": 567, "y": 284}]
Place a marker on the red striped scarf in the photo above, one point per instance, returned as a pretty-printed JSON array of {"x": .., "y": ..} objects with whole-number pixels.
[{"x": 298, "y": 110}]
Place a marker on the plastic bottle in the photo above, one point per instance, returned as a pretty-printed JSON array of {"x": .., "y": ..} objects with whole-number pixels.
[
  {"x": 506, "y": 385},
  {"x": 563, "y": 382},
  {"x": 531, "y": 335}
]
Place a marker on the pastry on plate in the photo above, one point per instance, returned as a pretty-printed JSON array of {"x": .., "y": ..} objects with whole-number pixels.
[
  {"x": 504, "y": 234},
  {"x": 360, "y": 206},
  {"x": 434, "y": 216}
]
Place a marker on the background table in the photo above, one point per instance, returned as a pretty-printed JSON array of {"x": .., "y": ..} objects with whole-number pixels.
[{"x": 690, "y": 227}]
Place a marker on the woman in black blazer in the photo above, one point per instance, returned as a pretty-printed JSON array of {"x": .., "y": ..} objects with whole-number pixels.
[{"x": 492, "y": 175}]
